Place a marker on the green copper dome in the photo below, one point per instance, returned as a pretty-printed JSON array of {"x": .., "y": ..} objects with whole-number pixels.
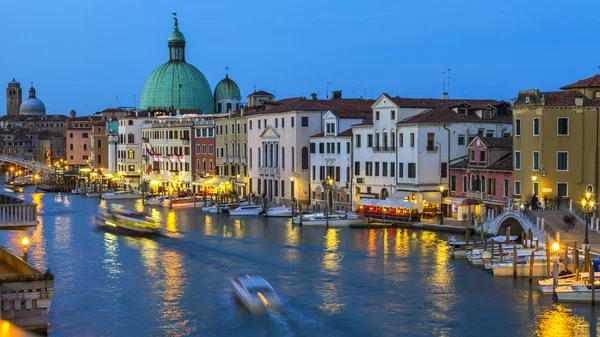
[
  {"x": 227, "y": 88},
  {"x": 177, "y": 84}
]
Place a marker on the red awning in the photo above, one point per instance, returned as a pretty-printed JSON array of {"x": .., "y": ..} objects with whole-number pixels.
[{"x": 469, "y": 202}]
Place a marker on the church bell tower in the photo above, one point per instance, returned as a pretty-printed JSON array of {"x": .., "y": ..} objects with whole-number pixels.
[{"x": 14, "y": 97}]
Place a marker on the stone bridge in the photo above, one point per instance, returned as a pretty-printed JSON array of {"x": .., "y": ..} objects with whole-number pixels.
[
  {"x": 518, "y": 220},
  {"x": 28, "y": 164}
]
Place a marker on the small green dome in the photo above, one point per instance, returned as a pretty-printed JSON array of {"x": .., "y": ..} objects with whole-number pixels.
[
  {"x": 176, "y": 36},
  {"x": 227, "y": 88},
  {"x": 177, "y": 84}
]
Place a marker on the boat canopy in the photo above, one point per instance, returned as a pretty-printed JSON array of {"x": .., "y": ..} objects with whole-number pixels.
[{"x": 386, "y": 203}]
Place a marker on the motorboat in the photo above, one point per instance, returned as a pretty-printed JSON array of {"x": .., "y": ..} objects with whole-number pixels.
[
  {"x": 337, "y": 219},
  {"x": 181, "y": 202},
  {"x": 577, "y": 292},
  {"x": 219, "y": 209},
  {"x": 156, "y": 201},
  {"x": 13, "y": 188},
  {"x": 128, "y": 222},
  {"x": 546, "y": 285},
  {"x": 523, "y": 265},
  {"x": 119, "y": 195},
  {"x": 255, "y": 293},
  {"x": 246, "y": 210},
  {"x": 280, "y": 211},
  {"x": 92, "y": 195}
]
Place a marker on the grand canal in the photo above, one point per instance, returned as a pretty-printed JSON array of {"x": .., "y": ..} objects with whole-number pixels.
[{"x": 336, "y": 282}]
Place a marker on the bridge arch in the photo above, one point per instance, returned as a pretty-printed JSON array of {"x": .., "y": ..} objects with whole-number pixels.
[
  {"x": 516, "y": 228},
  {"x": 519, "y": 221}
]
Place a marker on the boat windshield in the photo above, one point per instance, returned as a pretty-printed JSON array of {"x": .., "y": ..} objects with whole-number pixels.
[{"x": 263, "y": 290}]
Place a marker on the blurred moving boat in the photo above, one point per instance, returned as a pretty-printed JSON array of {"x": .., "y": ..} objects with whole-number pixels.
[
  {"x": 129, "y": 222},
  {"x": 255, "y": 293}
]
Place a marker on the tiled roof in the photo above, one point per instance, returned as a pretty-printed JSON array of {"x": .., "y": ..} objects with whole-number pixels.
[
  {"x": 347, "y": 133},
  {"x": 591, "y": 82},
  {"x": 565, "y": 98},
  {"x": 497, "y": 142},
  {"x": 261, "y": 93},
  {"x": 443, "y": 115},
  {"x": 345, "y": 108},
  {"x": 474, "y": 104}
]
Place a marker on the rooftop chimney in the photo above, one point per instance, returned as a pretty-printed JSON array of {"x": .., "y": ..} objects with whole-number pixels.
[
  {"x": 445, "y": 95},
  {"x": 229, "y": 112},
  {"x": 242, "y": 112},
  {"x": 337, "y": 94},
  {"x": 313, "y": 96}
]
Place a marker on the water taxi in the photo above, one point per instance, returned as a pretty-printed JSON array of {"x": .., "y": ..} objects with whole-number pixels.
[
  {"x": 128, "y": 222},
  {"x": 255, "y": 293}
]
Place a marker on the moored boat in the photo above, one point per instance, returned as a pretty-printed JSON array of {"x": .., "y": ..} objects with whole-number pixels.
[
  {"x": 338, "y": 219},
  {"x": 119, "y": 195},
  {"x": 246, "y": 210},
  {"x": 181, "y": 202},
  {"x": 279, "y": 211},
  {"x": 576, "y": 293}
]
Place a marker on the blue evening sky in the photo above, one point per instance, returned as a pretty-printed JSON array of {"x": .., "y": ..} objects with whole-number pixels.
[{"x": 83, "y": 54}]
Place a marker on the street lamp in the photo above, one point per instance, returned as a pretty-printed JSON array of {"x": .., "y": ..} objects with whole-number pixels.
[
  {"x": 588, "y": 205},
  {"x": 296, "y": 201},
  {"x": 25, "y": 242},
  {"x": 441, "y": 202}
]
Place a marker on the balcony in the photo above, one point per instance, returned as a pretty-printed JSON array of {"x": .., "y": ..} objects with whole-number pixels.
[
  {"x": 431, "y": 148},
  {"x": 209, "y": 122},
  {"x": 475, "y": 195},
  {"x": 185, "y": 141},
  {"x": 269, "y": 170},
  {"x": 384, "y": 149},
  {"x": 145, "y": 140}
]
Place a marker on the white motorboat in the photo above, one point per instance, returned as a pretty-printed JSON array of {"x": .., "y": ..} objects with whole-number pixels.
[
  {"x": 156, "y": 201},
  {"x": 279, "y": 211},
  {"x": 181, "y": 202},
  {"x": 119, "y": 195},
  {"x": 246, "y": 210},
  {"x": 337, "y": 219},
  {"x": 92, "y": 195},
  {"x": 577, "y": 292},
  {"x": 219, "y": 209},
  {"x": 255, "y": 293},
  {"x": 546, "y": 285},
  {"x": 523, "y": 265}
]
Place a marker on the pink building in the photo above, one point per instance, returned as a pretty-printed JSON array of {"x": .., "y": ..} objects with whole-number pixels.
[{"x": 482, "y": 183}]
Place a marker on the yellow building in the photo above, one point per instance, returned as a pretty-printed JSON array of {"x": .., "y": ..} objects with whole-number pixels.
[
  {"x": 556, "y": 141},
  {"x": 231, "y": 147}
]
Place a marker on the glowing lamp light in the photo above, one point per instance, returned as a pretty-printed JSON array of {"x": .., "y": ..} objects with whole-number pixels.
[
  {"x": 588, "y": 195},
  {"x": 25, "y": 241},
  {"x": 534, "y": 178},
  {"x": 555, "y": 246},
  {"x": 583, "y": 202}
]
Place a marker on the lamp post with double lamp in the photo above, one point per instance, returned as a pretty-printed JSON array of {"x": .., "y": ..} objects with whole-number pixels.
[
  {"x": 588, "y": 205},
  {"x": 441, "y": 202},
  {"x": 296, "y": 201},
  {"x": 555, "y": 248},
  {"x": 25, "y": 242}
]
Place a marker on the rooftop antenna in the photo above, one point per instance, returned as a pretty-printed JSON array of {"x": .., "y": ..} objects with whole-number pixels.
[
  {"x": 449, "y": 81},
  {"x": 444, "y": 83},
  {"x": 117, "y": 101},
  {"x": 301, "y": 89},
  {"x": 255, "y": 88},
  {"x": 327, "y": 89}
]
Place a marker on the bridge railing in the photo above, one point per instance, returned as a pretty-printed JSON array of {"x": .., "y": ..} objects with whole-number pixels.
[{"x": 15, "y": 215}]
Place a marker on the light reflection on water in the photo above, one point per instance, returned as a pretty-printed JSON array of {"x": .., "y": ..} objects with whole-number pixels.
[{"x": 335, "y": 282}]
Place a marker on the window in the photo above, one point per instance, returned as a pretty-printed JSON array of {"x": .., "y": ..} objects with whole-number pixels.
[
  {"x": 488, "y": 114},
  {"x": 276, "y": 122},
  {"x": 562, "y": 161},
  {"x": 562, "y": 189},
  {"x": 130, "y": 138},
  {"x": 444, "y": 170},
  {"x": 527, "y": 100},
  {"x": 369, "y": 140},
  {"x": 536, "y": 126},
  {"x": 430, "y": 141},
  {"x": 305, "y": 122},
  {"x": 464, "y": 184},
  {"x": 250, "y": 159},
  {"x": 84, "y": 135},
  {"x": 357, "y": 140},
  {"x": 70, "y": 157},
  {"x": 304, "y": 157},
  {"x": 400, "y": 170},
  {"x": 71, "y": 135},
  {"x": 84, "y": 147},
  {"x": 283, "y": 157},
  {"x": 356, "y": 168},
  {"x": 377, "y": 169},
  {"x": 517, "y": 187},
  {"x": 392, "y": 169},
  {"x": 506, "y": 185},
  {"x": 412, "y": 170},
  {"x": 453, "y": 184},
  {"x": 211, "y": 148},
  {"x": 338, "y": 148},
  {"x": 293, "y": 159},
  {"x": 384, "y": 169},
  {"x": 292, "y": 122},
  {"x": 489, "y": 133},
  {"x": 472, "y": 155},
  {"x": 321, "y": 147},
  {"x": 238, "y": 128},
  {"x": 85, "y": 157},
  {"x": 563, "y": 126},
  {"x": 517, "y": 160},
  {"x": 536, "y": 160},
  {"x": 99, "y": 159},
  {"x": 265, "y": 122},
  {"x": 376, "y": 115},
  {"x": 393, "y": 114},
  {"x": 250, "y": 126},
  {"x": 412, "y": 140},
  {"x": 99, "y": 143},
  {"x": 130, "y": 154},
  {"x": 536, "y": 188},
  {"x": 400, "y": 140},
  {"x": 491, "y": 186},
  {"x": 369, "y": 168},
  {"x": 245, "y": 128},
  {"x": 481, "y": 156},
  {"x": 461, "y": 139},
  {"x": 313, "y": 147},
  {"x": 347, "y": 147},
  {"x": 259, "y": 124},
  {"x": 71, "y": 147}
]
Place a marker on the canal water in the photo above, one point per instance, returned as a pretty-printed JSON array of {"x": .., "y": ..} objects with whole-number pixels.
[{"x": 336, "y": 282}]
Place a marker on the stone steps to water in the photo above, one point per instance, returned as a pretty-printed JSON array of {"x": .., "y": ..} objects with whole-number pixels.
[{"x": 554, "y": 220}]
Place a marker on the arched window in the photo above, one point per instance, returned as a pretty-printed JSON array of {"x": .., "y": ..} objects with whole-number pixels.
[
  {"x": 71, "y": 147},
  {"x": 282, "y": 157},
  {"x": 84, "y": 147},
  {"x": 99, "y": 143},
  {"x": 210, "y": 165},
  {"x": 198, "y": 165},
  {"x": 305, "y": 158},
  {"x": 204, "y": 165},
  {"x": 99, "y": 159}
]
